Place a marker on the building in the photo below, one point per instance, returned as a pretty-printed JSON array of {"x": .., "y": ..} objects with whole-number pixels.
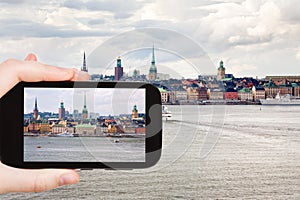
[
  {"x": 285, "y": 89},
  {"x": 296, "y": 89},
  {"x": 245, "y": 94},
  {"x": 58, "y": 128},
  {"x": 215, "y": 94},
  {"x": 231, "y": 94},
  {"x": 203, "y": 93},
  {"x": 35, "y": 110},
  {"x": 271, "y": 89},
  {"x": 61, "y": 111},
  {"x": 152, "y": 76},
  {"x": 84, "y": 67},
  {"x": 118, "y": 70},
  {"x": 221, "y": 71},
  {"x": 258, "y": 93},
  {"x": 192, "y": 93},
  {"x": 85, "y": 129},
  {"x": 177, "y": 96},
  {"x": 135, "y": 113},
  {"x": 283, "y": 79},
  {"x": 164, "y": 95},
  {"x": 85, "y": 112}
]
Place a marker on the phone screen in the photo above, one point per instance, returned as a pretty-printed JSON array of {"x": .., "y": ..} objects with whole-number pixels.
[{"x": 84, "y": 124}]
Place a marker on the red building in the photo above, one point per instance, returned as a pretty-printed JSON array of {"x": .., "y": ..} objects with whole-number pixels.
[
  {"x": 118, "y": 70},
  {"x": 231, "y": 94},
  {"x": 203, "y": 93}
]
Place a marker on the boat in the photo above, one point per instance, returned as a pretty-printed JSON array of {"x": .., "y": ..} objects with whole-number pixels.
[
  {"x": 281, "y": 100},
  {"x": 64, "y": 134},
  {"x": 166, "y": 114},
  {"x": 116, "y": 141}
]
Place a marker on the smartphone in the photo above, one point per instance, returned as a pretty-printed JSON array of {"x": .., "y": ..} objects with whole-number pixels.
[{"x": 113, "y": 125}]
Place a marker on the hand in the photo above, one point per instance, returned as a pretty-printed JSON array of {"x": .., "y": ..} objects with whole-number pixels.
[{"x": 24, "y": 180}]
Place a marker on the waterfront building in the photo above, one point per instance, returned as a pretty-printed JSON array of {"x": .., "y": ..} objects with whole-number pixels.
[
  {"x": 84, "y": 67},
  {"x": 34, "y": 127},
  {"x": 285, "y": 89},
  {"x": 192, "y": 93},
  {"x": 221, "y": 71},
  {"x": 84, "y": 114},
  {"x": 180, "y": 95},
  {"x": 135, "y": 113},
  {"x": 215, "y": 94},
  {"x": 296, "y": 89},
  {"x": 35, "y": 110},
  {"x": 271, "y": 89},
  {"x": 118, "y": 70},
  {"x": 85, "y": 129},
  {"x": 101, "y": 129},
  {"x": 58, "y": 128},
  {"x": 164, "y": 95},
  {"x": 245, "y": 94},
  {"x": 152, "y": 76},
  {"x": 278, "y": 80},
  {"x": 203, "y": 93},
  {"x": 140, "y": 130},
  {"x": 61, "y": 111},
  {"x": 45, "y": 128},
  {"x": 231, "y": 94},
  {"x": 258, "y": 93}
]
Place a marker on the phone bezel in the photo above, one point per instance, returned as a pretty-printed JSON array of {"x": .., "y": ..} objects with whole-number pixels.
[{"x": 12, "y": 117}]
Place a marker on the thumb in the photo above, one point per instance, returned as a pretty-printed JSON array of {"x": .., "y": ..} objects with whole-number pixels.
[
  {"x": 28, "y": 180},
  {"x": 31, "y": 57}
]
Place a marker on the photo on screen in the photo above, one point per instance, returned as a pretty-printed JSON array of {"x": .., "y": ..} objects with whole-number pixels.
[{"x": 84, "y": 124}]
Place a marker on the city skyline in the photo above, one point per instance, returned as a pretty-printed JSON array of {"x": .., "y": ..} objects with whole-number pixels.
[
  {"x": 253, "y": 38},
  {"x": 105, "y": 101}
]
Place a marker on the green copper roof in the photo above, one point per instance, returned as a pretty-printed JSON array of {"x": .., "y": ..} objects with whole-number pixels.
[
  {"x": 84, "y": 126},
  {"x": 226, "y": 79},
  {"x": 162, "y": 90},
  {"x": 245, "y": 90}
]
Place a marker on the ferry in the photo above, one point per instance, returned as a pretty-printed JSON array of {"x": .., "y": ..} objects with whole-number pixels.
[
  {"x": 166, "y": 114},
  {"x": 281, "y": 100},
  {"x": 64, "y": 134}
]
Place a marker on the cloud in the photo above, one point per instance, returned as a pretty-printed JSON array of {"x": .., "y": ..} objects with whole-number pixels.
[
  {"x": 238, "y": 30},
  {"x": 120, "y": 9}
]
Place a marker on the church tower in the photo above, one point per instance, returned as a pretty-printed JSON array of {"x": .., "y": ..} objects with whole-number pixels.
[
  {"x": 135, "y": 113},
  {"x": 153, "y": 70},
  {"x": 84, "y": 67},
  {"x": 118, "y": 70},
  {"x": 221, "y": 71},
  {"x": 35, "y": 110},
  {"x": 61, "y": 111},
  {"x": 84, "y": 110}
]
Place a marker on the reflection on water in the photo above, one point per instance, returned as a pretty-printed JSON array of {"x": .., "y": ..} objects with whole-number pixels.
[{"x": 257, "y": 156}]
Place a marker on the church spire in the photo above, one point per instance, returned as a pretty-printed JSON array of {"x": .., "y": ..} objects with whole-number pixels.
[
  {"x": 84, "y": 100},
  {"x": 35, "y": 104},
  {"x": 84, "y": 67},
  {"x": 35, "y": 110},
  {"x": 153, "y": 59}
]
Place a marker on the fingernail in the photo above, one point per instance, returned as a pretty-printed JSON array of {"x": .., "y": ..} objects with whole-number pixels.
[{"x": 66, "y": 179}]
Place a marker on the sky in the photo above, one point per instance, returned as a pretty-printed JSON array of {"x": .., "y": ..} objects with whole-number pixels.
[
  {"x": 105, "y": 101},
  {"x": 252, "y": 37}
]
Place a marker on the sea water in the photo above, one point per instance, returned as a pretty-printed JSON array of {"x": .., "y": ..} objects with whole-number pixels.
[{"x": 209, "y": 152}]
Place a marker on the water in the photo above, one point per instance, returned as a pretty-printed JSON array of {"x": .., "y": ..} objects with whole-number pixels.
[
  {"x": 84, "y": 149},
  {"x": 257, "y": 156}
]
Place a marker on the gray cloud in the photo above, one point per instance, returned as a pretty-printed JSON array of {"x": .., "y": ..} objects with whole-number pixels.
[
  {"x": 120, "y": 9},
  {"x": 28, "y": 28}
]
